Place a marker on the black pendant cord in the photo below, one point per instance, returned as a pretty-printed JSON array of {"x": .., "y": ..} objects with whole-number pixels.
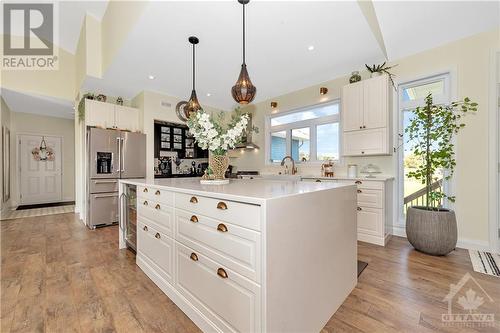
[
  {"x": 243, "y": 34},
  {"x": 193, "y": 67}
]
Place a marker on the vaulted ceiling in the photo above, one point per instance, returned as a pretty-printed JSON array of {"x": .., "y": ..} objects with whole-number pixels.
[{"x": 279, "y": 35}]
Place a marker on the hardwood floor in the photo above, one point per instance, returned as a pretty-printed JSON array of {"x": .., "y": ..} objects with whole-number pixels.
[{"x": 58, "y": 276}]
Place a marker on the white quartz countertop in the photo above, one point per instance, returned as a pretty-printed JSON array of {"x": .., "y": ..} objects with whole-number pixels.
[
  {"x": 246, "y": 190},
  {"x": 376, "y": 178}
]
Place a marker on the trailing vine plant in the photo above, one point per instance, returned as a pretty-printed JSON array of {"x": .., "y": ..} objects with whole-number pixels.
[{"x": 430, "y": 134}]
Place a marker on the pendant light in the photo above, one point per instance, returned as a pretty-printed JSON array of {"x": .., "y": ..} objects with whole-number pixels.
[
  {"x": 193, "y": 105},
  {"x": 243, "y": 91}
]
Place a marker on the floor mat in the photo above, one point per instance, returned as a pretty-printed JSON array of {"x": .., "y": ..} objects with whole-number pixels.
[
  {"x": 485, "y": 262},
  {"x": 19, "y": 214}
]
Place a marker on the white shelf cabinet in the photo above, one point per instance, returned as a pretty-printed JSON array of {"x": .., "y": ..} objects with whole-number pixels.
[
  {"x": 366, "y": 117},
  {"x": 107, "y": 115}
]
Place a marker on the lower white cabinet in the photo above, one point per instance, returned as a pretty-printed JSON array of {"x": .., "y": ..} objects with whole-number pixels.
[
  {"x": 229, "y": 300},
  {"x": 156, "y": 248},
  {"x": 241, "y": 266}
]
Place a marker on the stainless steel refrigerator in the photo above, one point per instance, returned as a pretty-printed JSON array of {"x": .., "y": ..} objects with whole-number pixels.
[{"x": 112, "y": 155}]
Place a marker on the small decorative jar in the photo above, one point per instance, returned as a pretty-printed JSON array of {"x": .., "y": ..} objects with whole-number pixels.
[
  {"x": 119, "y": 101},
  {"x": 355, "y": 77}
]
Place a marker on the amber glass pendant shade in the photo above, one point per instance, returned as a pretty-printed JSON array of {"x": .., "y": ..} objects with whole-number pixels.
[
  {"x": 243, "y": 91},
  {"x": 193, "y": 105}
]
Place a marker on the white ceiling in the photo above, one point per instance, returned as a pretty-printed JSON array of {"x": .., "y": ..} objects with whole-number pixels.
[
  {"x": 71, "y": 15},
  {"x": 37, "y": 104},
  {"x": 278, "y": 59},
  {"x": 411, "y": 27},
  {"x": 278, "y": 36}
]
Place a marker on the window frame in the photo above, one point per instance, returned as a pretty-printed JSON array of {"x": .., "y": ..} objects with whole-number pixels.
[
  {"x": 402, "y": 106},
  {"x": 311, "y": 124}
]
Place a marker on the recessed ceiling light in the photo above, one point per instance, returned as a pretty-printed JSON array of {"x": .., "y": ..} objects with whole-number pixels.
[
  {"x": 209, "y": 94},
  {"x": 151, "y": 77},
  {"x": 311, "y": 47}
]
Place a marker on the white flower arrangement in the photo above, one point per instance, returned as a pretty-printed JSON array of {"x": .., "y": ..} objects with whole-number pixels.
[{"x": 210, "y": 133}]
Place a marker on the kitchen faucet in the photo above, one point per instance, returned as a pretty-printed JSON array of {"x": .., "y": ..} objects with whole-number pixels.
[{"x": 294, "y": 169}]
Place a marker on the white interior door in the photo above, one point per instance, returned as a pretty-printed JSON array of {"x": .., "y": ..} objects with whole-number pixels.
[{"x": 40, "y": 181}]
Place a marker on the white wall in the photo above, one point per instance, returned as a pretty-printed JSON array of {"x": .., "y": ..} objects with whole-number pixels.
[
  {"x": 468, "y": 59},
  {"x": 26, "y": 123}
]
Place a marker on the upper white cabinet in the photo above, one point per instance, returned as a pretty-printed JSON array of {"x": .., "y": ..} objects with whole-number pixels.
[
  {"x": 366, "y": 117},
  {"x": 109, "y": 115},
  {"x": 126, "y": 118}
]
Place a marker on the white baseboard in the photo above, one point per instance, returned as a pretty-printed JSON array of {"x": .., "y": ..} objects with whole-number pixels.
[{"x": 469, "y": 244}]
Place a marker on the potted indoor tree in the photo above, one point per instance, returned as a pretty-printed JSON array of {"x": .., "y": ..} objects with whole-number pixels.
[{"x": 432, "y": 228}]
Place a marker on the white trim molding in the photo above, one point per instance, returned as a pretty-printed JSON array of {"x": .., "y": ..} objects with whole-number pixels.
[
  {"x": 462, "y": 243},
  {"x": 493, "y": 148}
]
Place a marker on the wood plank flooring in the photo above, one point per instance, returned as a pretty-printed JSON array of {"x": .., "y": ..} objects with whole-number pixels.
[{"x": 58, "y": 276}]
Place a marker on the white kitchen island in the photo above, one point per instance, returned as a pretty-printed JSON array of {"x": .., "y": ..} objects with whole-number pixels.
[{"x": 250, "y": 256}]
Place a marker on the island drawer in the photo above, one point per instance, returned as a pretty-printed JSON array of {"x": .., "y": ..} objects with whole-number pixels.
[
  {"x": 159, "y": 214},
  {"x": 370, "y": 198},
  {"x": 245, "y": 215},
  {"x": 156, "y": 249},
  {"x": 233, "y": 246},
  {"x": 229, "y": 300},
  {"x": 156, "y": 194}
]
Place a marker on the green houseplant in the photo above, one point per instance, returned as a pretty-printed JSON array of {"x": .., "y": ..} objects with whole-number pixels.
[
  {"x": 377, "y": 70},
  {"x": 81, "y": 105},
  {"x": 431, "y": 228}
]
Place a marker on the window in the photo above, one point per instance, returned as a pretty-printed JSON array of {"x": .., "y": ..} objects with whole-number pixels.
[
  {"x": 308, "y": 135},
  {"x": 412, "y": 95}
]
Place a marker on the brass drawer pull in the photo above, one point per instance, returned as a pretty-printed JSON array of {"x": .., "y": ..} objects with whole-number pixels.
[
  {"x": 359, "y": 208},
  {"x": 222, "y": 273},
  {"x": 318, "y": 180},
  {"x": 221, "y": 205},
  {"x": 145, "y": 228},
  {"x": 193, "y": 200},
  {"x": 157, "y": 192},
  {"x": 145, "y": 190},
  {"x": 358, "y": 182},
  {"x": 193, "y": 219},
  {"x": 145, "y": 203},
  {"x": 157, "y": 206},
  {"x": 359, "y": 191},
  {"x": 194, "y": 256},
  {"x": 222, "y": 227},
  {"x": 157, "y": 236}
]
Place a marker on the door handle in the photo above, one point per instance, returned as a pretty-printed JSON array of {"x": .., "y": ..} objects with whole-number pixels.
[
  {"x": 119, "y": 154},
  {"x": 122, "y": 163},
  {"x": 105, "y": 182},
  {"x": 106, "y": 196}
]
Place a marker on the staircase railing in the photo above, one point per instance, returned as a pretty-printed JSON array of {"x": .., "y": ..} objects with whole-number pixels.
[{"x": 418, "y": 198}]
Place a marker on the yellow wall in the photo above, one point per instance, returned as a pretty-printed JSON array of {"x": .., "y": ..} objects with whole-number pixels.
[
  {"x": 58, "y": 83},
  {"x": 27, "y": 123},
  {"x": 468, "y": 59}
]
